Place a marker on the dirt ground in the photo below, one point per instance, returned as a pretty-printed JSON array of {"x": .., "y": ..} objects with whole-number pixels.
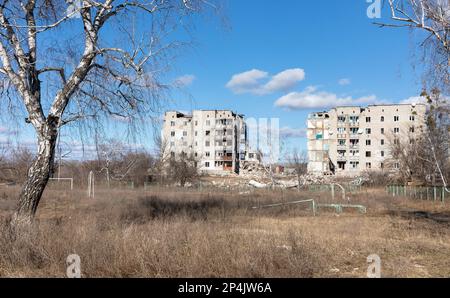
[{"x": 179, "y": 232}]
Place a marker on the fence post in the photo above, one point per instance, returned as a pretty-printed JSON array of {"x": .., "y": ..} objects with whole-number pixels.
[
  {"x": 434, "y": 193},
  {"x": 314, "y": 207},
  {"x": 332, "y": 192},
  {"x": 91, "y": 185}
]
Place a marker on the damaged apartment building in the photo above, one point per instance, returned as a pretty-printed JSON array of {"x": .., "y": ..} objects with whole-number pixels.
[
  {"x": 349, "y": 140},
  {"x": 215, "y": 139}
]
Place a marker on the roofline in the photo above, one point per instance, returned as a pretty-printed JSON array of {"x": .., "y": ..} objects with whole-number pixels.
[
  {"x": 371, "y": 105},
  {"x": 201, "y": 110},
  {"x": 382, "y": 105}
]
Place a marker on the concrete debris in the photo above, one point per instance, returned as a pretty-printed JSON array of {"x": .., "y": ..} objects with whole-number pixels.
[
  {"x": 257, "y": 184},
  {"x": 314, "y": 179},
  {"x": 244, "y": 192},
  {"x": 285, "y": 247},
  {"x": 287, "y": 184}
]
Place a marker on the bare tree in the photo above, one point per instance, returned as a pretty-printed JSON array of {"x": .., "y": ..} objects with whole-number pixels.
[
  {"x": 15, "y": 164},
  {"x": 183, "y": 168},
  {"x": 299, "y": 162},
  {"x": 115, "y": 160},
  {"x": 425, "y": 156},
  {"x": 89, "y": 72},
  {"x": 162, "y": 154},
  {"x": 431, "y": 17},
  {"x": 438, "y": 134},
  {"x": 3, "y": 152}
]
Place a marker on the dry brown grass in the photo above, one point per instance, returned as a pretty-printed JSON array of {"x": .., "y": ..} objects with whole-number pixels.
[{"x": 211, "y": 233}]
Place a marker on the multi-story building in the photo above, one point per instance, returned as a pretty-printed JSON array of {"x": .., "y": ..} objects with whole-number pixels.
[
  {"x": 215, "y": 139},
  {"x": 349, "y": 140}
]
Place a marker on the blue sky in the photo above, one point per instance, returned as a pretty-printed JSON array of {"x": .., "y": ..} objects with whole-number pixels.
[
  {"x": 344, "y": 56},
  {"x": 287, "y": 58}
]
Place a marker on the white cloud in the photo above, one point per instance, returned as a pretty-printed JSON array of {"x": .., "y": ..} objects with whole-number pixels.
[
  {"x": 7, "y": 131},
  {"x": 285, "y": 80},
  {"x": 185, "y": 81},
  {"x": 414, "y": 99},
  {"x": 344, "y": 81},
  {"x": 248, "y": 81},
  {"x": 259, "y": 82},
  {"x": 289, "y": 132},
  {"x": 312, "y": 98},
  {"x": 422, "y": 99}
]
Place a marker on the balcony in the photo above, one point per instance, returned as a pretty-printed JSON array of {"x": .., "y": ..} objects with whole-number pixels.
[
  {"x": 224, "y": 158},
  {"x": 223, "y": 137},
  {"x": 341, "y": 147},
  {"x": 228, "y": 148},
  {"x": 223, "y": 126},
  {"x": 341, "y": 158}
]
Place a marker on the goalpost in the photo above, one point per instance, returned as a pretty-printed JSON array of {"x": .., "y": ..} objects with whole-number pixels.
[{"x": 64, "y": 179}]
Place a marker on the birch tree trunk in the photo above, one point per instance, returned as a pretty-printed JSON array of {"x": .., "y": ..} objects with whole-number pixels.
[
  {"x": 101, "y": 82},
  {"x": 38, "y": 175}
]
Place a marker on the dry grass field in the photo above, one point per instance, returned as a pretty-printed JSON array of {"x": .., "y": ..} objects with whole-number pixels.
[{"x": 172, "y": 232}]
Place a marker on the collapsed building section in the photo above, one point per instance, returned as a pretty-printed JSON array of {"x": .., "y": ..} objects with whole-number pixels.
[{"x": 215, "y": 139}]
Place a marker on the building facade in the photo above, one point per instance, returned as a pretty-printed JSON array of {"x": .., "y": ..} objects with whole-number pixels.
[
  {"x": 349, "y": 140},
  {"x": 215, "y": 139}
]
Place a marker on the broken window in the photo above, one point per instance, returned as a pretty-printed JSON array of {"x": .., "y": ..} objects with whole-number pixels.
[
  {"x": 354, "y": 152},
  {"x": 353, "y": 130},
  {"x": 354, "y": 119},
  {"x": 354, "y": 142},
  {"x": 354, "y": 164}
]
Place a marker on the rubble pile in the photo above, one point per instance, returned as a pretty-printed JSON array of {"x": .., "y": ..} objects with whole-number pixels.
[{"x": 310, "y": 179}]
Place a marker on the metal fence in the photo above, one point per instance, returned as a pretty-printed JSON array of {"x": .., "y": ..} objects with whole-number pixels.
[
  {"x": 429, "y": 193},
  {"x": 328, "y": 187}
]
